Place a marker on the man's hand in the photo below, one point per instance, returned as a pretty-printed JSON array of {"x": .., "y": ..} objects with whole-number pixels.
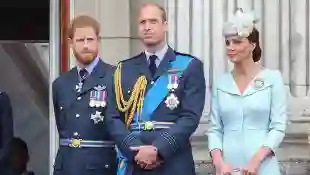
[
  {"x": 152, "y": 166},
  {"x": 147, "y": 156}
]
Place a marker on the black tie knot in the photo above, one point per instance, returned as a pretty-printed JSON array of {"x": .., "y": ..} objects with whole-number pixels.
[
  {"x": 83, "y": 74},
  {"x": 152, "y": 65},
  {"x": 153, "y": 58}
]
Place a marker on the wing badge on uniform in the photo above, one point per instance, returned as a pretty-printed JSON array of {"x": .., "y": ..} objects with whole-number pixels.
[{"x": 100, "y": 88}]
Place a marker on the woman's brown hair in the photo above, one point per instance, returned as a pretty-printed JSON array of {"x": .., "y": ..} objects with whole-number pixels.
[{"x": 254, "y": 38}]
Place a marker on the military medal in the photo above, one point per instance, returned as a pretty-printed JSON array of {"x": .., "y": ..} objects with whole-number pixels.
[
  {"x": 258, "y": 83},
  {"x": 97, "y": 117},
  {"x": 172, "y": 101},
  {"x": 92, "y": 99},
  {"x": 78, "y": 87},
  {"x": 173, "y": 82},
  {"x": 97, "y": 99}
]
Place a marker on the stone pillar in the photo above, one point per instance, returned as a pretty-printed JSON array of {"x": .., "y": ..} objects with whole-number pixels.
[
  {"x": 196, "y": 27},
  {"x": 54, "y": 54},
  {"x": 72, "y": 15},
  {"x": 114, "y": 18},
  {"x": 299, "y": 38}
]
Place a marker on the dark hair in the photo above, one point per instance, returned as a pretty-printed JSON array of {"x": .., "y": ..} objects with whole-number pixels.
[
  {"x": 18, "y": 154},
  {"x": 254, "y": 38},
  {"x": 18, "y": 145}
]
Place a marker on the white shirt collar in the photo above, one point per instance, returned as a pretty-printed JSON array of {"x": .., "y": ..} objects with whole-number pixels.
[{"x": 160, "y": 54}]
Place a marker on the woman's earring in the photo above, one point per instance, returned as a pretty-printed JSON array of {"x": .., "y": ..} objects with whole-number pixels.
[{"x": 254, "y": 45}]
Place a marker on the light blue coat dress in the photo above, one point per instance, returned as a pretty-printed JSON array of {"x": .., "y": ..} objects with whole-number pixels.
[{"x": 243, "y": 123}]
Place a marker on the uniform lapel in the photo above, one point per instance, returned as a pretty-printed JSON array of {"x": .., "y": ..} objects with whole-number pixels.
[
  {"x": 143, "y": 67},
  {"x": 165, "y": 63},
  {"x": 98, "y": 72},
  {"x": 73, "y": 80}
]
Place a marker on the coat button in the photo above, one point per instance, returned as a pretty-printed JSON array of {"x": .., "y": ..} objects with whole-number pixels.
[
  {"x": 152, "y": 82},
  {"x": 79, "y": 98},
  {"x": 77, "y": 115},
  {"x": 106, "y": 166},
  {"x": 61, "y": 107}
]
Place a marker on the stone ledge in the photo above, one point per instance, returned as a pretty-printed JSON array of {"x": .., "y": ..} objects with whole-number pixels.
[
  {"x": 299, "y": 138},
  {"x": 300, "y": 119},
  {"x": 297, "y": 128},
  {"x": 287, "y": 152},
  {"x": 294, "y": 166},
  {"x": 292, "y": 118}
]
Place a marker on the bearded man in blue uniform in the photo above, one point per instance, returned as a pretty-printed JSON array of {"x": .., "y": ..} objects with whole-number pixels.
[{"x": 80, "y": 99}]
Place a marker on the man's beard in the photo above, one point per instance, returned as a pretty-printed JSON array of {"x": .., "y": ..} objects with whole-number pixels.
[{"x": 85, "y": 58}]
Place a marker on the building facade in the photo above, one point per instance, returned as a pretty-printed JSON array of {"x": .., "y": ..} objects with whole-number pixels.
[{"x": 195, "y": 27}]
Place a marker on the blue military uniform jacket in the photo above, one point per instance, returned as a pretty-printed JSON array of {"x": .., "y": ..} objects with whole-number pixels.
[
  {"x": 172, "y": 143},
  {"x": 76, "y": 119},
  {"x": 6, "y": 128}
]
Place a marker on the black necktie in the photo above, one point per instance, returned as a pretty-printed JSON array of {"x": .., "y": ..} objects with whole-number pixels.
[
  {"x": 83, "y": 75},
  {"x": 152, "y": 65}
]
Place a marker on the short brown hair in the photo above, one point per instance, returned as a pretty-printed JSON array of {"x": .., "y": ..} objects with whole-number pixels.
[
  {"x": 254, "y": 38},
  {"x": 161, "y": 8},
  {"x": 81, "y": 22}
]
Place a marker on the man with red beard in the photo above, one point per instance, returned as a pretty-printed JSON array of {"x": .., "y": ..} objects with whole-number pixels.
[{"x": 79, "y": 98}]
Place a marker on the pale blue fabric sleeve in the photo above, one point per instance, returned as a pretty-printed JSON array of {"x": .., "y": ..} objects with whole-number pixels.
[
  {"x": 215, "y": 132},
  {"x": 278, "y": 113}
]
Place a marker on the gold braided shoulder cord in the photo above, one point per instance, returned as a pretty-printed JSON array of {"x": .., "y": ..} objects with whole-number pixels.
[{"x": 135, "y": 102}]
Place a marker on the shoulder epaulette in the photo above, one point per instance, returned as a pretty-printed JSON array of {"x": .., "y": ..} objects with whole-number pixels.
[
  {"x": 131, "y": 58},
  {"x": 184, "y": 54}
]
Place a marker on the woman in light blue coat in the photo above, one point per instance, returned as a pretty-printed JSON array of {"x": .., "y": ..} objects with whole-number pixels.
[{"x": 248, "y": 112}]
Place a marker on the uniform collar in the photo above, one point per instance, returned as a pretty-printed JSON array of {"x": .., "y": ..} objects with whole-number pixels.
[
  {"x": 160, "y": 53},
  {"x": 90, "y": 67}
]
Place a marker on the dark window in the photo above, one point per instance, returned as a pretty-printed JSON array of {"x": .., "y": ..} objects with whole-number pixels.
[{"x": 24, "y": 20}]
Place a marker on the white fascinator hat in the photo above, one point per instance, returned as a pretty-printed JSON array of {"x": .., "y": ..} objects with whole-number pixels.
[{"x": 241, "y": 24}]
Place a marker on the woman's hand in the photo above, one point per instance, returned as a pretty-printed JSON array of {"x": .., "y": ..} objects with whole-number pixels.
[
  {"x": 223, "y": 169},
  {"x": 251, "y": 168}
]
